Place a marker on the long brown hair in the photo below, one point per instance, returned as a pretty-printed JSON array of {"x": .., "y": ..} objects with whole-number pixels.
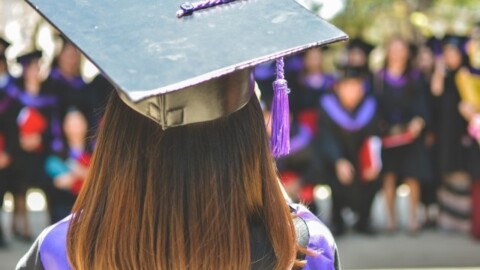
[{"x": 182, "y": 198}]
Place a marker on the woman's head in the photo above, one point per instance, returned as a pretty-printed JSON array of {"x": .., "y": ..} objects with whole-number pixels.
[
  {"x": 68, "y": 60},
  {"x": 453, "y": 57},
  {"x": 313, "y": 60},
  {"x": 182, "y": 198},
  {"x": 31, "y": 71},
  {"x": 75, "y": 126},
  {"x": 398, "y": 52},
  {"x": 425, "y": 60},
  {"x": 350, "y": 92}
]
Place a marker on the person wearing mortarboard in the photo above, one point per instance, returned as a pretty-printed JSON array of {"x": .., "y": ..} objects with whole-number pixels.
[
  {"x": 68, "y": 168},
  {"x": 300, "y": 170},
  {"x": 66, "y": 81},
  {"x": 467, "y": 83},
  {"x": 403, "y": 117},
  {"x": 453, "y": 140},
  {"x": 183, "y": 175},
  {"x": 358, "y": 52},
  {"x": 349, "y": 141},
  {"x": 30, "y": 95},
  {"x": 100, "y": 89},
  {"x": 314, "y": 82},
  {"x": 424, "y": 61},
  {"x": 473, "y": 51}
]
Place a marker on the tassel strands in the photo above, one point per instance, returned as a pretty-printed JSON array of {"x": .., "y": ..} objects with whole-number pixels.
[{"x": 280, "y": 140}]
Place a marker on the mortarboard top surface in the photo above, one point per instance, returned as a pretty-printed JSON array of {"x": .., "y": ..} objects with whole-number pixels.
[
  {"x": 145, "y": 50},
  {"x": 27, "y": 57}
]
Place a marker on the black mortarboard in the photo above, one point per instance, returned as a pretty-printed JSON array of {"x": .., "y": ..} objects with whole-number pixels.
[
  {"x": 3, "y": 44},
  {"x": 435, "y": 45},
  {"x": 149, "y": 53},
  {"x": 29, "y": 57},
  {"x": 455, "y": 41},
  {"x": 358, "y": 43},
  {"x": 350, "y": 72}
]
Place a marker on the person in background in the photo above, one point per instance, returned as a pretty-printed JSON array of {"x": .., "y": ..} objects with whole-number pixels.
[
  {"x": 6, "y": 128},
  {"x": 69, "y": 168},
  {"x": 403, "y": 118},
  {"x": 348, "y": 139},
  {"x": 66, "y": 81},
  {"x": 467, "y": 81},
  {"x": 35, "y": 111},
  {"x": 314, "y": 82},
  {"x": 424, "y": 62},
  {"x": 357, "y": 56},
  {"x": 300, "y": 170},
  {"x": 454, "y": 142},
  {"x": 100, "y": 89}
]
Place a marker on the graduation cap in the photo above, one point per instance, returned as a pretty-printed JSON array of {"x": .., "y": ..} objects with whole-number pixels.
[
  {"x": 29, "y": 57},
  {"x": 350, "y": 72},
  {"x": 187, "y": 64},
  {"x": 358, "y": 43},
  {"x": 3, "y": 45},
  {"x": 435, "y": 45},
  {"x": 456, "y": 41}
]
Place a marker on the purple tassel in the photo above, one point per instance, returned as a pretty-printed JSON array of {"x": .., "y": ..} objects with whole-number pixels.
[{"x": 280, "y": 140}]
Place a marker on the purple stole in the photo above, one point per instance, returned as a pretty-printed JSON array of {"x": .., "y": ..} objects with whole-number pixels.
[{"x": 347, "y": 121}]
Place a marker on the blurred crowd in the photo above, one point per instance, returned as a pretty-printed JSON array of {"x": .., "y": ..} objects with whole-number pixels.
[
  {"x": 412, "y": 121},
  {"x": 46, "y": 131},
  {"x": 415, "y": 121}
]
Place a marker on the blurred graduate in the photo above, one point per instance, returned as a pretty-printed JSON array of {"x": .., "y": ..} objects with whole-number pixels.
[{"x": 349, "y": 141}]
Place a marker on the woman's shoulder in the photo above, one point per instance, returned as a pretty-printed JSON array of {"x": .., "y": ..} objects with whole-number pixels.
[
  {"x": 317, "y": 238},
  {"x": 49, "y": 250}
]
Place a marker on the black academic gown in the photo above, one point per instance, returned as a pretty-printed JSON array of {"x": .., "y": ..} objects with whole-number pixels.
[
  {"x": 45, "y": 103},
  {"x": 71, "y": 92},
  {"x": 7, "y": 134},
  {"x": 302, "y": 158},
  {"x": 453, "y": 140},
  {"x": 341, "y": 136},
  {"x": 400, "y": 100}
]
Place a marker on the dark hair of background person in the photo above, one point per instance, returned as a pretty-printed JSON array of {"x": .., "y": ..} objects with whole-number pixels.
[
  {"x": 408, "y": 47},
  {"x": 182, "y": 198}
]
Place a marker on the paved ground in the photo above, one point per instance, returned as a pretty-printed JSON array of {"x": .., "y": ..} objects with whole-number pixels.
[{"x": 429, "y": 249}]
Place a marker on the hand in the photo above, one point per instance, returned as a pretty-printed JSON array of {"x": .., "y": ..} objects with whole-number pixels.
[
  {"x": 345, "y": 171},
  {"x": 30, "y": 142},
  {"x": 371, "y": 174},
  {"x": 79, "y": 171},
  {"x": 467, "y": 110},
  {"x": 416, "y": 126},
  {"x": 4, "y": 160},
  {"x": 438, "y": 77},
  {"x": 64, "y": 181}
]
